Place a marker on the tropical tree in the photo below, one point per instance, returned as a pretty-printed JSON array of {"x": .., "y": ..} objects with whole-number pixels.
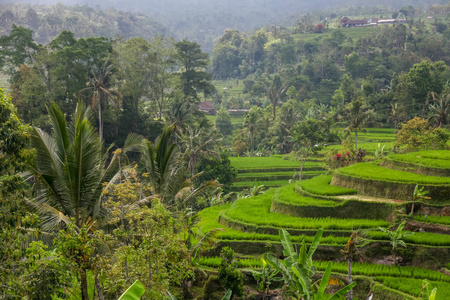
[
  {"x": 350, "y": 251},
  {"x": 396, "y": 237},
  {"x": 356, "y": 116},
  {"x": 192, "y": 61},
  {"x": 165, "y": 172},
  {"x": 252, "y": 124},
  {"x": 418, "y": 195},
  {"x": 397, "y": 113},
  {"x": 161, "y": 161},
  {"x": 69, "y": 171},
  {"x": 440, "y": 110},
  {"x": 199, "y": 141},
  {"x": 274, "y": 91},
  {"x": 100, "y": 85}
]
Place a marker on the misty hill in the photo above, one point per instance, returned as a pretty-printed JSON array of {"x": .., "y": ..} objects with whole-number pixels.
[
  {"x": 204, "y": 20},
  {"x": 47, "y": 21}
]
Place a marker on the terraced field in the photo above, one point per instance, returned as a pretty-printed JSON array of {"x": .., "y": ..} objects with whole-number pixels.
[
  {"x": 272, "y": 171},
  {"x": 250, "y": 225}
]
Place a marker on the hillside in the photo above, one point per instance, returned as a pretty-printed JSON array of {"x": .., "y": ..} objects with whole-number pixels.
[{"x": 47, "y": 21}]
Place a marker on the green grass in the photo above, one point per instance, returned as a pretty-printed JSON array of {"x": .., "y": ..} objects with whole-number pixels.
[
  {"x": 437, "y": 154},
  {"x": 433, "y": 219},
  {"x": 229, "y": 88},
  {"x": 367, "y": 269},
  {"x": 375, "y": 172},
  {"x": 274, "y": 161},
  {"x": 256, "y": 211},
  {"x": 414, "y": 286},
  {"x": 235, "y": 119},
  {"x": 288, "y": 195},
  {"x": 209, "y": 221},
  {"x": 354, "y": 33},
  {"x": 320, "y": 185},
  {"x": 440, "y": 159},
  {"x": 418, "y": 238},
  {"x": 278, "y": 173},
  {"x": 271, "y": 183}
]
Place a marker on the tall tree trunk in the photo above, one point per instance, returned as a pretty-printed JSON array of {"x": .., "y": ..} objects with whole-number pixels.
[
  {"x": 100, "y": 122},
  {"x": 301, "y": 168},
  {"x": 412, "y": 207},
  {"x": 350, "y": 279},
  {"x": 99, "y": 288},
  {"x": 396, "y": 125},
  {"x": 356, "y": 141},
  {"x": 84, "y": 285}
]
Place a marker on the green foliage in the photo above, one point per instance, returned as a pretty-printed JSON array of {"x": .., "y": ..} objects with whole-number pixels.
[
  {"x": 192, "y": 59},
  {"x": 218, "y": 169},
  {"x": 134, "y": 292},
  {"x": 223, "y": 122},
  {"x": 264, "y": 277},
  {"x": 445, "y": 220},
  {"x": 415, "y": 286},
  {"x": 396, "y": 237},
  {"x": 417, "y": 135},
  {"x": 439, "y": 159},
  {"x": 254, "y": 211},
  {"x": 16, "y": 49},
  {"x": 320, "y": 185},
  {"x": 298, "y": 269},
  {"x": 230, "y": 277},
  {"x": 372, "y": 171}
]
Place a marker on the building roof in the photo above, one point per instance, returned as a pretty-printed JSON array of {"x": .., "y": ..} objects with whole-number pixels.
[{"x": 205, "y": 105}]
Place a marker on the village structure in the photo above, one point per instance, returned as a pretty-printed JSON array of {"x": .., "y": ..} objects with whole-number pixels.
[{"x": 346, "y": 22}]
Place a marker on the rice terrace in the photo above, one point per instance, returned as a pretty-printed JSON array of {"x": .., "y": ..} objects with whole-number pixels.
[{"x": 228, "y": 149}]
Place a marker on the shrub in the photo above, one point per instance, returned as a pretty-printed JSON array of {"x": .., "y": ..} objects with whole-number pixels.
[
  {"x": 417, "y": 135},
  {"x": 230, "y": 277}
]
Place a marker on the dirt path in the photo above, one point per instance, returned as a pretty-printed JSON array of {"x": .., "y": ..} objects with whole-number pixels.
[{"x": 368, "y": 198}]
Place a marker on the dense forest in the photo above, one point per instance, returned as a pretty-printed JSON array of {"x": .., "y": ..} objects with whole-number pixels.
[{"x": 108, "y": 160}]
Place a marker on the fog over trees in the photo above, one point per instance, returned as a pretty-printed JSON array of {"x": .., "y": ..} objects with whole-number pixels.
[{"x": 202, "y": 20}]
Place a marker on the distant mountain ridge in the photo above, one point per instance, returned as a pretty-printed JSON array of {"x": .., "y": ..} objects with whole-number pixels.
[
  {"x": 47, "y": 21},
  {"x": 203, "y": 21}
]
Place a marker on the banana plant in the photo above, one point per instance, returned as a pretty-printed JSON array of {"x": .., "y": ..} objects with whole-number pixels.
[
  {"x": 264, "y": 277},
  {"x": 134, "y": 292},
  {"x": 298, "y": 270}
]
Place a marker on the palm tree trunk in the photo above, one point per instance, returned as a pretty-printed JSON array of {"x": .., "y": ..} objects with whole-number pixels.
[
  {"x": 301, "y": 169},
  {"x": 356, "y": 141},
  {"x": 412, "y": 207},
  {"x": 99, "y": 288},
  {"x": 100, "y": 122},
  {"x": 350, "y": 279},
  {"x": 84, "y": 285}
]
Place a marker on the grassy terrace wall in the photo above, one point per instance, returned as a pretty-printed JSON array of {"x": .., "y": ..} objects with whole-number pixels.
[
  {"x": 411, "y": 167},
  {"x": 370, "y": 179},
  {"x": 346, "y": 209}
]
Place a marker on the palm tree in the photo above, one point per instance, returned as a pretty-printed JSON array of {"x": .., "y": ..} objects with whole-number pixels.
[
  {"x": 252, "y": 123},
  {"x": 161, "y": 161},
  {"x": 199, "y": 141},
  {"x": 440, "y": 110},
  {"x": 100, "y": 85},
  {"x": 69, "y": 172},
  {"x": 274, "y": 91},
  {"x": 396, "y": 114},
  {"x": 357, "y": 116}
]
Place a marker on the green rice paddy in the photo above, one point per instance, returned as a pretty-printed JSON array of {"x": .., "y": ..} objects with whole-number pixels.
[{"x": 375, "y": 172}]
